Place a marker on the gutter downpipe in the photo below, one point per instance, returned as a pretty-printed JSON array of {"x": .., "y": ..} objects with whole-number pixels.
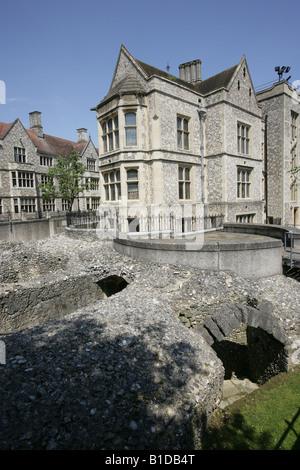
[
  {"x": 266, "y": 167},
  {"x": 202, "y": 114}
]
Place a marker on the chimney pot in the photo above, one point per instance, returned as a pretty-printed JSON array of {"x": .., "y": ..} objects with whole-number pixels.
[
  {"x": 82, "y": 135},
  {"x": 35, "y": 119}
]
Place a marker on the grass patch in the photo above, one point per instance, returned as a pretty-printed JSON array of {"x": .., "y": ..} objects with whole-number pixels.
[{"x": 267, "y": 419}]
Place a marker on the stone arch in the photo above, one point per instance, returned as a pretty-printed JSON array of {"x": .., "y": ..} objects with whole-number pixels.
[
  {"x": 267, "y": 343},
  {"x": 111, "y": 285}
]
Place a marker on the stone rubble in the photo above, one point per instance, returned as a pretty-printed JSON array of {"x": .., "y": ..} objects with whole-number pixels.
[{"x": 124, "y": 372}]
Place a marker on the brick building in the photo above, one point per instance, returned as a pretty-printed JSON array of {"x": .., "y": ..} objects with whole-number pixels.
[
  {"x": 184, "y": 142},
  {"x": 25, "y": 158}
]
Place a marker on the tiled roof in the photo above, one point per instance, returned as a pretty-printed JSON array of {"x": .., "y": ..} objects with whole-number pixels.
[
  {"x": 4, "y": 128},
  {"x": 54, "y": 145},
  {"x": 221, "y": 80},
  {"x": 48, "y": 144}
]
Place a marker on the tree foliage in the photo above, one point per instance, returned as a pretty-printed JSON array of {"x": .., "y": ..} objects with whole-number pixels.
[{"x": 65, "y": 179}]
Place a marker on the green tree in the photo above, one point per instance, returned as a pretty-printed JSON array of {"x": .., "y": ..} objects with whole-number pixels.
[{"x": 65, "y": 179}]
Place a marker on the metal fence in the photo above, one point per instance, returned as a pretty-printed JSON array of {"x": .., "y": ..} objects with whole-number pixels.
[{"x": 96, "y": 219}]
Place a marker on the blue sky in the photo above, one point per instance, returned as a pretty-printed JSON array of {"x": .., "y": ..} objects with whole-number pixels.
[{"x": 58, "y": 57}]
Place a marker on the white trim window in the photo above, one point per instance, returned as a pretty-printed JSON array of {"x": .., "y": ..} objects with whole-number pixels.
[
  {"x": 184, "y": 182},
  {"x": 132, "y": 184},
  {"x": 110, "y": 134},
  {"x": 19, "y": 155},
  {"x": 243, "y": 138},
  {"x": 130, "y": 129},
  {"x": 243, "y": 182},
  {"x": 182, "y": 133},
  {"x": 112, "y": 185}
]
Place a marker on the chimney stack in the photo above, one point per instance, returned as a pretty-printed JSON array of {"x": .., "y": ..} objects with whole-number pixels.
[
  {"x": 82, "y": 135},
  {"x": 191, "y": 71},
  {"x": 35, "y": 120}
]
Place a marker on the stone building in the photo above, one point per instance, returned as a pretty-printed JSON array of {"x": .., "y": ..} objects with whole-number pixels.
[
  {"x": 281, "y": 108},
  {"x": 191, "y": 146},
  {"x": 25, "y": 158}
]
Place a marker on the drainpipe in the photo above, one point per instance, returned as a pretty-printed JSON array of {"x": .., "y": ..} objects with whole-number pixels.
[
  {"x": 202, "y": 114},
  {"x": 266, "y": 166}
]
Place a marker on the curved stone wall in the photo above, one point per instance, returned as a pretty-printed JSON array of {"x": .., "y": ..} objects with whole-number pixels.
[{"x": 249, "y": 256}]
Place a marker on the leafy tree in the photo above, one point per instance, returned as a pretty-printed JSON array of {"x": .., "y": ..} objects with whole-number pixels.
[{"x": 65, "y": 179}]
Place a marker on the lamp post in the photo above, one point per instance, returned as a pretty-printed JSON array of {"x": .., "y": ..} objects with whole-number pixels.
[{"x": 202, "y": 114}]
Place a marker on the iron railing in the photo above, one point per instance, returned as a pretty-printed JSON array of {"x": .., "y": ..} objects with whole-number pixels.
[{"x": 91, "y": 220}]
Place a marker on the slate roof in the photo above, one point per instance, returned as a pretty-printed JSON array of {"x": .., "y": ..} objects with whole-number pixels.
[
  {"x": 221, "y": 80},
  {"x": 150, "y": 71},
  {"x": 48, "y": 145}
]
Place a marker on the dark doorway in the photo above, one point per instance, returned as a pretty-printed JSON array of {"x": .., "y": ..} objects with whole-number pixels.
[{"x": 112, "y": 285}]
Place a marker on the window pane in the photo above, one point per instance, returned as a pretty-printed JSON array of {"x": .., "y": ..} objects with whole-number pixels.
[
  {"x": 186, "y": 141},
  {"x": 179, "y": 121},
  {"x": 130, "y": 136},
  {"x": 112, "y": 177},
  {"x": 110, "y": 125},
  {"x": 185, "y": 125},
  {"x": 130, "y": 119},
  {"x": 181, "y": 190},
  {"x": 187, "y": 190},
  {"x": 132, "y": 174},
  {"x": 117, "y": 139},
  {"x": 179, "y": 139},
  {"x": 180, "y": 173},
  {"x": 187, "y": 174},
  {"x": 132, "y": 190}
]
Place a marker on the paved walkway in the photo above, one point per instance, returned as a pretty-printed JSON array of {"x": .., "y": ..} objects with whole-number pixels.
[{"x": 234, "y": 389}]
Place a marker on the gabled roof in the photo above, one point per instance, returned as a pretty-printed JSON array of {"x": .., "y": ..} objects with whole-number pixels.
[
  {"x": 47, "y": 144},
  {"x": 221, "y": 80},
  {"x": 4, "y": 128},
  {"x": 51, "y": 145},
  {"x": 150, "y": 71}
]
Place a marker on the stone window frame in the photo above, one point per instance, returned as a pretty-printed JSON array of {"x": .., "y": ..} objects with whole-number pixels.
[
  {"x": 245, "y": 218},
  {"x": 132, "y": 179},
  {"x": 23, "y": 179},
  {"x": 65, "y": 204},
  {"x": 24, "y": 204},
  {"x": 243, "y": 138},
  {"x": 49, "y": 206},
  {"x": 131, "y": 132},
  {"x": 20, "y": 155},
  {"x": 46, "y": 161},
  {"x": 112, "y": 184},
  {"x": 244, "y": 183},
  {"x": 91, "y": 164},
  {"x": 183, "y": 132},
  {"x": 92, "y": 184},
  {"x": 184, "y": 182},
  {"x": 110, "y": 133}
]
